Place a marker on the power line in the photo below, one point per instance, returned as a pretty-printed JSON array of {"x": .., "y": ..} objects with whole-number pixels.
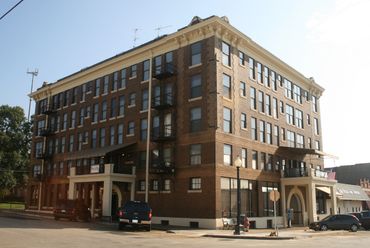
[{"x": 11, "y": 9}]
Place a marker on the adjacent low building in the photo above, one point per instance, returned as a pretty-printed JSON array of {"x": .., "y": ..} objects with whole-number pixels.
[{"x": 186, "y": 105}]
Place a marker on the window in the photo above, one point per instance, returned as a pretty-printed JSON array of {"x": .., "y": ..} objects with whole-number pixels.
[
  {"x": 283, "y": 133},
  {"x": 195, "y": 154},
  {"x": 121, "y": 106},
  {"x": 80, "y": 141},
  {"x": 266, "y": 79},
  {"x": 243, "y": 120},
  {"x": 103, "y": 115},
  {"x": 259, "y": 72},
  {"x": 196, "y": 86},
  {"x": 300, "y": 141},
  {"x": 268, "y": 104},
  {"x": 123, "y": 78},
  {"x": 226, "y": 90},
  {"x": 298, "y": 118},
  {"x": 241, "y": 58},
  {"x": 269, "y": 162},
  {"x": 269, "y": 133},
  {"x": 82, "y": 116},
  {"x": 62, "y": 144},
  {"x": 73, "y": 119},
  {"x": 102, "y": 137},
  {"x": 195, "y": 119},
  {"x": 226, "y": 54},
  {"x": 93, "y": 138},
  {"x": 273, "y": 80},
  {"x": 106, "y": 84},
  {"x": 143, "y": 129},
  {"x": 141, "y": 185},
  {"x": 227, "y": 120},
  {"x": 263, "y": 161},
  {"x": 275, "y": 108},
  {"x": 146, "y": 70},
  {"x": 167, "y": 185},
  {"x": 113, "y": 109},
  {"x": 252, "y": 69},
  {"x": 297, "y": 94},
  {"x": 131, "y": 128},
  {"x": 97, "y": 87},
  {"x": 243, "y": 89},
  {"x": 317, "y": 145},
  {"x": 158, "y": 65},
  {"x": 308, "y": 119},
  {"x": 282, "y": 107},
  {"x": 115, "y": 81},
  {"x": 289, "y": 114},
  {"x": 244, "y": 158},
  {"x": 112, "y": 135},
  {"x": 262, "y": 131},
  {"x": 316, "y": 126},
  {"x": 261, "y": 106},
  {"x": 132, "y": 99},
  {"x": 144, "y": 99},
  {"x": 74, "y": 94},
  {"x": 133, "y": 71},
  {"x": 253, "y": 128},
  {"x": 309, "y": 142},
  {"x": 196, "y": 53},
  {"x": 253, "y": 98},
  {"x": 155, "y": 185},
  {"x": 268, "y": 206},
  {"x": 290, "y": 138},
  {"x": 254, "y": 159},
  {"x": 120, "y": 134},
  {"x": 314, "y": 104},
  {"x": 227, "y": 154},
  {"x": 288, "y": 88},
  {"x": 65, "y": 121},
  {"x": 66, "y": 98},
  {"x": 195, "y": 183},
  {"x": 95, "y": 112},
  {"x": 276, "y": 136}
]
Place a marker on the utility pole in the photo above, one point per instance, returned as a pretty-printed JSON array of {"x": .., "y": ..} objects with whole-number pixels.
[{"x": 34, "y": 74}]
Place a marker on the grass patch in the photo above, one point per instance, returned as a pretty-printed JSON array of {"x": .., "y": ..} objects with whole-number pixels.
[{"x": 12, "y": 205}]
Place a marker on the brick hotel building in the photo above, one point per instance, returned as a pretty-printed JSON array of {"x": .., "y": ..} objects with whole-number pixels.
[{"x": 215, "y": 95}]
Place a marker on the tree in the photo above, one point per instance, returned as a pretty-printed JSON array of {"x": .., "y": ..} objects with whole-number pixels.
[{"x": 15, "y": 137}]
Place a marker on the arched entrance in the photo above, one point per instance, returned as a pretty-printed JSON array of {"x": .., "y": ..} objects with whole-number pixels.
[
  {"x": 116, "y": 200},
  {"x": 296, "y": 205}
]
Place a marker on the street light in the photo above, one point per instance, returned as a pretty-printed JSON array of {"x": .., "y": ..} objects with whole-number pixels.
[{"x": 237, "y": 164}]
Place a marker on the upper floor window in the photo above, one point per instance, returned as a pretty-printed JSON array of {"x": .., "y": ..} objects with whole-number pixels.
[
  {"x": 120, "y": 134},
  {"x": 113, "y": 108},
  {"x": 146, "y": 70},
  {"x": 158, "y": 65},
  {"x": 297, "y": 94},
  {"x": 121, "y": 110},
  {"x": 288, "y": 88},
  {"x": 227, "y": 120},
  {"x": 226, "y": 54},
  {"x": 143, "y": 129},
  {"x": 254, "y": 159},
  {"x": 262, "y": 131},
  {"x": 261, "y": 106},
  {"x": 243, "y": 89},
  {"x": 244, "y": 157},
  {"x": 115, "y": 81},
  {"x": 273, "y": 80},
  {"x": 195, "y": 154},
  {"x": 97, "y": 87},
  {"x": 226, "y": 90},
  {"x": 106, "y": 84},
  {"x": 132, "y": 99},
  {"x": 259, "y": 72},
  {"x": 275, "y": 108},
  {"x": 290, "y": 138},
  {"x": 123, "y": 78},
  {"x": 299, "y": 141},
  {"x": 195, "y": 119},
  {"x": 103, "y": 115},
  {"x": 241, "y": 58},
  {"x": 253, "y": 128},
  {"x": 266, "y": 79},
  {"x": 298, "y": 118},
  {"x": 268, "y": 104},
  {"x": 133, "y": 71},
  {"x": 195, "y": 183},
  {"x": 227, "y": 154},
  {"x": 314, "y": 103},
  {"x": 196, "y": 53},
  {"x": 289, "y": 114},
  {"x": 131, "y": 128},
  {"x": 268, "y": 133},
  {"x": 253, "y": 98},
  {"x": 252, "y": 68},
  {"x": 144, "y": 99},
  {"x": 74, "y": 94},
  {"x": 102, "y": 137},
  {"x": 243, "y": 120},
  {"x": 196, "y": 86},
  {"x": 316, "y": 126}
]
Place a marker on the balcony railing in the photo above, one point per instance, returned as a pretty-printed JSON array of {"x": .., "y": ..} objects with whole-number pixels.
[
  {"x": 163, "y": 101},
  {"x": 164, "y": 71},
  {"x": 167, "y": 133},
  {"x": 48, "y": 109},
  {"x": 41, "y": 155},
  {"x": 162, "y": 167},
  {"x": 304, "y": 172},
  {"x": 46, "y": 132},
  {"x": 104, "y": 169}
]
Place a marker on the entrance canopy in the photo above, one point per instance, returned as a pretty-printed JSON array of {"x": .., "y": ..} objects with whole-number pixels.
[
  {"x": 304, "y": 151},
  {"x": 347, "y": 192},
  {"x": 99, "y": 152}
]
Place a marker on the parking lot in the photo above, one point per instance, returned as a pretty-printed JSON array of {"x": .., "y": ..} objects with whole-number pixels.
[{"x": 22, "y": 231}]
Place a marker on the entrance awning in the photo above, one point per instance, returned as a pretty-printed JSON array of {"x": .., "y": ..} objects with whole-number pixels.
[
  {"x": 98, "y": 152},
  {"x": 304, "y": 151},
  {"x": 347, "y": 192},
  {"x": 324, "y": 189}
]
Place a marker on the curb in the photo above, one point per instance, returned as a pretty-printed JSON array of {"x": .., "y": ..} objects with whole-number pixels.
[{"x": 246, "y": 237}]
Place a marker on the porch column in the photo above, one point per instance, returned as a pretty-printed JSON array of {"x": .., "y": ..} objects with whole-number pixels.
[
  {"x": 71, "y": 190},
  {"x": 132, "y": 194},
  {"x": 93, "y": 200},
  {"x": 333, "y": 194},
  {"x": 312, "y": 202},
  {"x": 107, "y": 198},
  {"x": 283, "y": 205}
]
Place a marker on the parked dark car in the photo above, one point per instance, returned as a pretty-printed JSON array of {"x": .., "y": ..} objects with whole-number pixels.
[
  {"x": 365, "y": 219},
  {"x": 337, "y": 222},
  {"x": 72, "y": 209},
  {"x": 135, "y": 214}
]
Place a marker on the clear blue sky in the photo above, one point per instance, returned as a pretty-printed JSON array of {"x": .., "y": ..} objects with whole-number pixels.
[{"x": 62, "y": 37}]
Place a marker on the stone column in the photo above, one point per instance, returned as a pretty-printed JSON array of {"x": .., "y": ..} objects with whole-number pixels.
[
  {"x": 312, "y": 202},
  {"x": 93, "y": 192},
  {"x": 107, "y": 198},
  {"x": 333, "y": 194},
  {"x": 283, "y": 205},
  {"x": 71, "y": 190}
]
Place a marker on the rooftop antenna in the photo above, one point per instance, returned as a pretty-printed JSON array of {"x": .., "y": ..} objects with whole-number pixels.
[
  {"x": 34, "y": 74},
  {"x": 160, "y": 28},
  {"x": 135, "y": 36}
]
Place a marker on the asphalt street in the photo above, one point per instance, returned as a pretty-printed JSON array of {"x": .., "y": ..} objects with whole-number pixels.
[{"x": 19, "y": 231}]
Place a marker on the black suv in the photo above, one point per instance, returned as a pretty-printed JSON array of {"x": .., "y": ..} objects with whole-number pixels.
[
  {"x": 365, "y": 219},
  {"x": 337, "y": 222},
  {"x": 71, "y": 209},
  {"x": 135, "y": 214}
]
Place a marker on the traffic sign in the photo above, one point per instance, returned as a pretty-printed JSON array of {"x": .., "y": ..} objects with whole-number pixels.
[{"x": 274, "y": 195}]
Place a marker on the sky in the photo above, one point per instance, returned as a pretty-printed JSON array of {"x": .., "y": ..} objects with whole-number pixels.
[{"x": 328, "y": 40}]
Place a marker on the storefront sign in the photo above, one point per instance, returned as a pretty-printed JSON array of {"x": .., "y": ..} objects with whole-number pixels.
[{"x": 94, "y": 169}]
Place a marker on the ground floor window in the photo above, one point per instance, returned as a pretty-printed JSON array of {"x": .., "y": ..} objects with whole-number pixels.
[
  {"x": 320, "y": 202},
  {"x": 268, "y": 205}
]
